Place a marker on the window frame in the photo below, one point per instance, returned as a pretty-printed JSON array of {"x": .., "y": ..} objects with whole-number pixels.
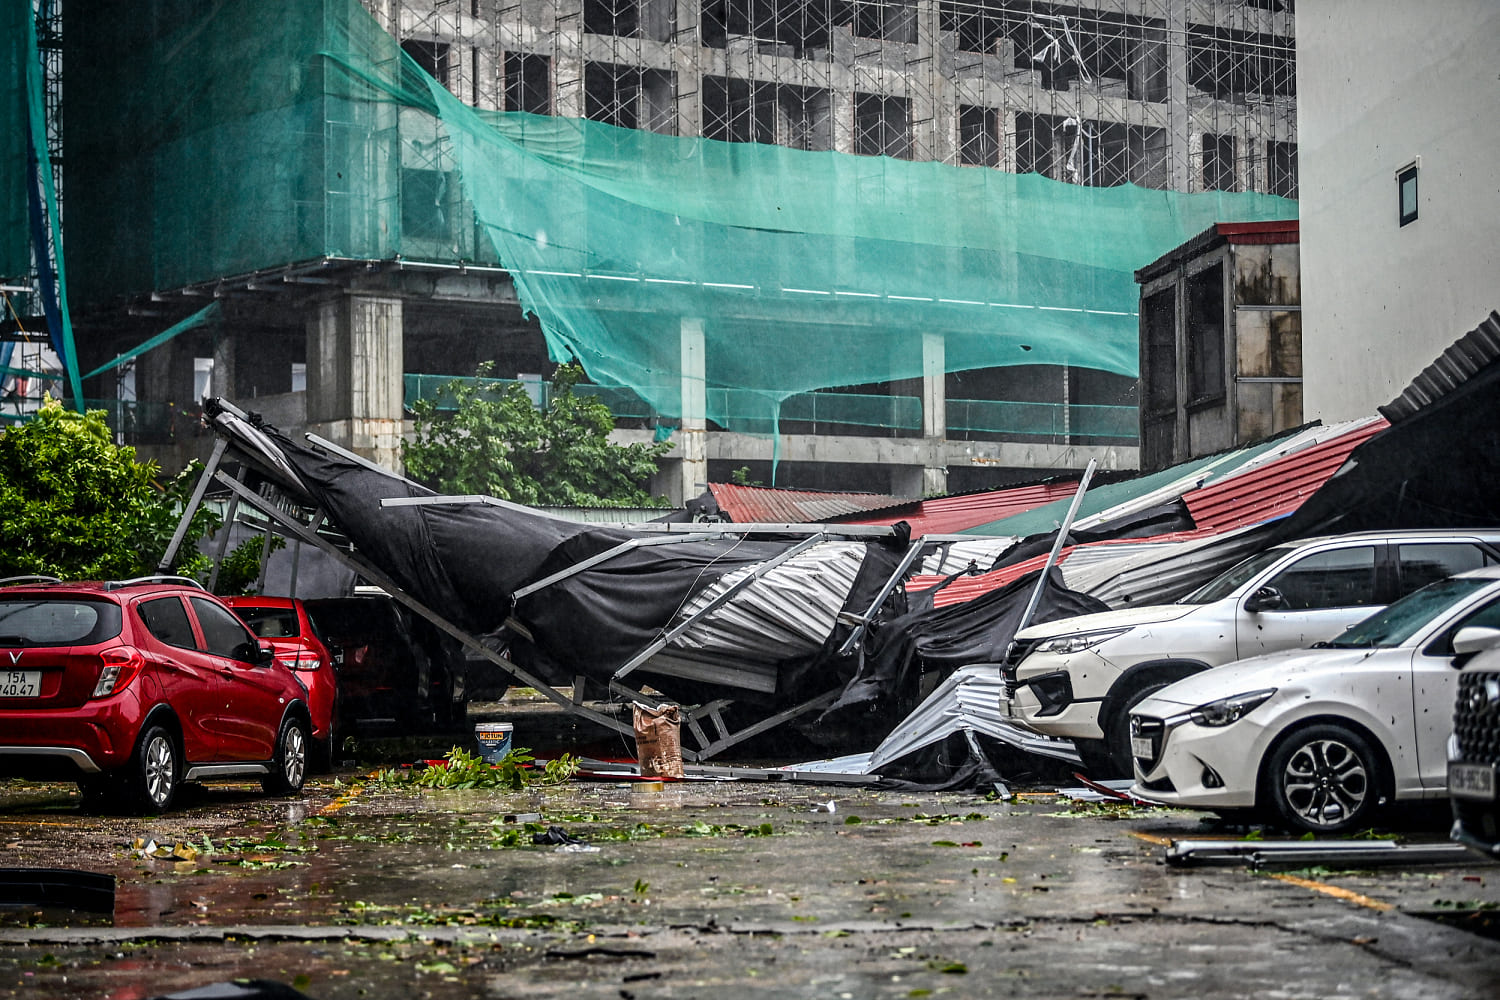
[{"x": 1407, "y": 174}]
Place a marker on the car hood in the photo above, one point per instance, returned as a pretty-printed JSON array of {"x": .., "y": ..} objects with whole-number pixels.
[
  {"x": 1149, "y": 615},
  {"x": 1289, "y": 667}
]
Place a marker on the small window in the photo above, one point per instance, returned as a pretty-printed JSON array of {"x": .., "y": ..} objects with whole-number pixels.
[
  {"x": 222, "y": 632},
  {"x": 1424, "y": 564},
  {"x": 30, "y": 621},
  {"x": 270, "y": 623},
  {"x": 166, "y": 619},
  {"x": 1406, "y": 187},
  {"x": 1343, "y": 578}
]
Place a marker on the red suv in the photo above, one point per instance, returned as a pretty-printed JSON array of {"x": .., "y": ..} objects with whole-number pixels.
[
  {"x": 283, "y": 622},
  {"x": 134, "y": 687}
]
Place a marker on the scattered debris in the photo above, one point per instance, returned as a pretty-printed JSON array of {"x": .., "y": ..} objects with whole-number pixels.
[{"x": 1297, "y": 853}]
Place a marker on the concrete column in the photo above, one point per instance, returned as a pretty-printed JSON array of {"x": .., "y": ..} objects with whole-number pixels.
[
  {"x": 567, "y": 65},
  {"x": 687, "y": 62},
  {"x": 222, "y": 381},
  {"x": 489, "y": 83},
  {"x": 934, "y": 412},
  {"x": 1179, "y": 172},
  {"x": 355, "y": 392},
  {"x": 841, "y": 103},
  {"x": 693, "y": 435}
]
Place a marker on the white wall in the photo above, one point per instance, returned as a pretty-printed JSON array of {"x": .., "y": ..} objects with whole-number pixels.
[{"x": 1379, "y": 83}]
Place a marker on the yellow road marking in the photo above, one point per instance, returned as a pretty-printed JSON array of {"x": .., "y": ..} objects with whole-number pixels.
[
  {"x": 1348, "y": 895},
  {"x": 346, "y": 798},
  {"x": 1152, "y": 838}
]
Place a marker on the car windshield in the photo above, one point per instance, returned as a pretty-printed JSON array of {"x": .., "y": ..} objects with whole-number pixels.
[
  {"x": 1232, "y": 579},
  {"x": 269, "y": 623},
  {"x": 36, "y": 621},
  {"x": 1402, "y": 620}
]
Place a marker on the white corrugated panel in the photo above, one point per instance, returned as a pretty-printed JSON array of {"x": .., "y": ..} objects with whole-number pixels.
[
  {"x": 1163, "y": 573},
  {"x": 787, "y": 613},
  {"x": 972, "y": 698},
  {"x": 954, "y": 557}
]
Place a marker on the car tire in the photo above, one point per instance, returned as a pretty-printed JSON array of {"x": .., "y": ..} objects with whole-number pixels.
[
  {"x": 289, "y": 765},
  {"x": 324, "y": 757},
  {"x": 1323, "y": 779},
  {"x": 154, "y": 772},
  {"x": 1117, "y": 729}
]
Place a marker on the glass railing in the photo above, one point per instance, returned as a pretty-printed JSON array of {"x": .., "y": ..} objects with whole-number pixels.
[{"x": 754, "y": 411}]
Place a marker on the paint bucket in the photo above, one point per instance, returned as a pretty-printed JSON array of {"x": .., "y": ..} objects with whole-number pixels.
[{"x": 494, "y": 740}]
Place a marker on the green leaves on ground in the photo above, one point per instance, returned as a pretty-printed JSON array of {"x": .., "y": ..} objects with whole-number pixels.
[{"x": 465, "y": 770}]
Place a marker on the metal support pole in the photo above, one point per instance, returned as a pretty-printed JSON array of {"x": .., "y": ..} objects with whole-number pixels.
[
  {"x": 1057, "y": 544},
  {"x": 193, "y": 504},
  {"x": 229, "y": 513},
  {"x": 265, "y": 557},
  {"x": 890, "y": 585}
]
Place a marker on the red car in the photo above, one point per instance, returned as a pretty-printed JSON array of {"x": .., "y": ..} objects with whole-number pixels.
[
  {"x": 133, "y": 687},
  {"x": 283, "y": 622}
]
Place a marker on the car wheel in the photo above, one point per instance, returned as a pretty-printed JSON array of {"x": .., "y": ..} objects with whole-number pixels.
[
  {"x": 155, "y": 772},
  {"x": 1117, "y": 729},
  {"x": 1323, "y": 779},
  {"x": 289, "y": 766}
]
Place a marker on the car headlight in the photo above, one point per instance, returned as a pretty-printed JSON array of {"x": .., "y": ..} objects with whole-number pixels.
[
  {"x": 1077, "y": 641},
  {"x": 1229, "y": 710}
]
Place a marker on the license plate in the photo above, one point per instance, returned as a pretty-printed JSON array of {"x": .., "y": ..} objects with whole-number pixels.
[
  {"x": 20, "y": 683},
  {"x": 1472, "y": 781},
  {"x": 1141, "y": 747}
]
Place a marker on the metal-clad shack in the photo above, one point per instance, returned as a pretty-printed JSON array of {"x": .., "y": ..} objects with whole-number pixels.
[{"x": 1221, "y": 342}]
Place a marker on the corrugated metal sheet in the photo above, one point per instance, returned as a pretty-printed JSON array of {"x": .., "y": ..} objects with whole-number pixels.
[
  {"x": 788, "y": 612},
  {"x": 954, "y": 557},
  {"x": 1160, "y": 574},
  {"x": 760, "y": 505},
  {"x": 1463, "y": 359},
  {"x": 1275, "y": 487},
  {"x": 972, "y": 698},
  {"x": 949, "y": 515}
]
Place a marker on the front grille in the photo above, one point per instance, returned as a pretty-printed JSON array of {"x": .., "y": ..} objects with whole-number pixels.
[
  {"x": 1017, "y": 651},
  {"x": 1154, "y": 730},
  {"x": 1476, "y": 717}
]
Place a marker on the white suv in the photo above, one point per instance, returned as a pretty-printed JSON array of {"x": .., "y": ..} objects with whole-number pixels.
[{"x": 1079, "y": 677}]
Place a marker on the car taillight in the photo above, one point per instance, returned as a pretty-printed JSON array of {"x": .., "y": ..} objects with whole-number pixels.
[
  {"x": 121, "y": 666},
  {"x": 301, "y": 662}
]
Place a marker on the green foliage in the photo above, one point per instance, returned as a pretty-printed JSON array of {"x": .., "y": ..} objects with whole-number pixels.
[
  {"x": 241, "y": 566},
  {"x": 741, "y": 477},
  {"x": 499, "y": 444},
  {"x": 75, "y": 505},
  {"x": 465, "y": 770}
]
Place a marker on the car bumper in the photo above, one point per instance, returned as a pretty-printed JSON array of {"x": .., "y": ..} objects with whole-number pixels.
[
  {"x": 1060, "y": 694},
  {"x": 1200, "y": 767},
  {"x": 70, "y": 743}
]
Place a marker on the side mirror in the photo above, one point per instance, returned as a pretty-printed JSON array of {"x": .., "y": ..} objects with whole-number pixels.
[
  {"x": 1475, "y": 639},
  {"x": 1265, "y": 599}
]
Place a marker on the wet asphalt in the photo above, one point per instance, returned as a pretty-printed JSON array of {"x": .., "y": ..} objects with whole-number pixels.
[{"x": 708, "y": 889}]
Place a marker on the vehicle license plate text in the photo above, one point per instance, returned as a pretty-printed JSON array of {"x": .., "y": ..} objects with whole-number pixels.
[
  {"x": 1141, "y": 747},
  {"x": 1472, "y": 781},
  {"x": 20, "y": 683}
]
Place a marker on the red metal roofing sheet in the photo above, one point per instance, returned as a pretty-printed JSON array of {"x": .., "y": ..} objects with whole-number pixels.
[
  {"x": 948, "y": 515},
  {"x": 1272, "y": 490},
  {"x": 1276, "y": 488},
  {"x": 761, "y": 505}
]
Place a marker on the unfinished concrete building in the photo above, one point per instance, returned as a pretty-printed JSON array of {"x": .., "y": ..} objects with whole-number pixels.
[{"x": 349, "y": 313}]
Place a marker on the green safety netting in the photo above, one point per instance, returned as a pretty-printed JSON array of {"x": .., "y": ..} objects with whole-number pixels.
[
  {"x": 15, "y": 239},
  {"x": 314, "y": 135}
]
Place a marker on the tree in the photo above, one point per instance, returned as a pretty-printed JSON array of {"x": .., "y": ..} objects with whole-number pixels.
[
  {"x": 74, "y": 505},
  {"x": 498, "y": 443}
]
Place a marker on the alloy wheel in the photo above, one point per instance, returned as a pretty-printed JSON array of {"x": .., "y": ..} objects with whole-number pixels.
[{"x": 1325, "y": 782}]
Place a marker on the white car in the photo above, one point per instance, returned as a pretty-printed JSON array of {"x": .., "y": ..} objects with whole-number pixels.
[
  {"x": 1078, "y": 678},
  {"x": 1320, "y": 738}
]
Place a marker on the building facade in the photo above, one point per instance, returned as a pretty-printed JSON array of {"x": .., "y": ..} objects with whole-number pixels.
[
  {"x": 1399, "y": 135},
  {"x": 1172, "y": 95}
]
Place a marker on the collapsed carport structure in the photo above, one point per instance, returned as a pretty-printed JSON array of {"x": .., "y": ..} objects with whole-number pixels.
[{"x": 751, "y": 625}]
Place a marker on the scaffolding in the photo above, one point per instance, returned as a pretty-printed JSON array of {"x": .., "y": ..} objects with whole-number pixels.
[{"x": 1183, "y": 95}]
